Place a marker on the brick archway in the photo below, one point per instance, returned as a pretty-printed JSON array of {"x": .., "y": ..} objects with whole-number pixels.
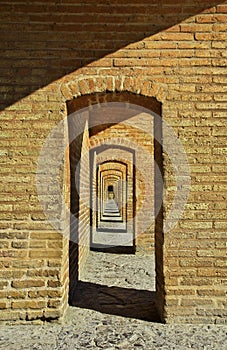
[
  {"x": 95, "y": 84},
  {"x": 89, "y": 98}
]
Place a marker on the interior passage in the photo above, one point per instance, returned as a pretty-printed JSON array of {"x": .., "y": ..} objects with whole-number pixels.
[
  {"x": 112, "y": 229},
  {"x": 111, "y": 211},
  {"x": 117, "y": 180}
]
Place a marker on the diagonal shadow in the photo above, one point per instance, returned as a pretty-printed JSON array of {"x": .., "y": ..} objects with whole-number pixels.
[
  {"x": 132, "y": 303},
  {"x": 43, "y": 41}
]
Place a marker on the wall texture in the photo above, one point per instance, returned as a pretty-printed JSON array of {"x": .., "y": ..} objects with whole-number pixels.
[{"x": 55, "y": 51}]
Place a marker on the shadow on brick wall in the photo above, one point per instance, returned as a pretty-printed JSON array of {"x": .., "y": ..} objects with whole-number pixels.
[{"x": 46, "y": 40}]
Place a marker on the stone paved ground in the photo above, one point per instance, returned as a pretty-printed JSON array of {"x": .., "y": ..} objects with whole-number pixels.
[
  {"x": 87, "y": 326},
  {"x": 112, "y": 231}
]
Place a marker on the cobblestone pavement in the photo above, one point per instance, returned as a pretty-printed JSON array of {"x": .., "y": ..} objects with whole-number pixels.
[{"x": 91, "y": 325}]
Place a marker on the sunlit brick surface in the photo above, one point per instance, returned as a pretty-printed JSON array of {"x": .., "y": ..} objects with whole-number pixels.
[{"x": 53, "y": 53}]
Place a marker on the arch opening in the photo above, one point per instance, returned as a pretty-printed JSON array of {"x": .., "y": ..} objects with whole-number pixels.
[{"x": 119, "y": 214}]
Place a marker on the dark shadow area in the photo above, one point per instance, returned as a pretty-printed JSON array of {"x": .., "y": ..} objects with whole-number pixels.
[
  {"x": 74, "y": 156},
  {"x": 73, "y": 269},
  {"x": 43, "y": 41},
  {"x": 113, "y": 249},
  {"x": 132, "y": 303},
  {"x": 114, "y": 230},
  {"x": 159, "y": 235}
]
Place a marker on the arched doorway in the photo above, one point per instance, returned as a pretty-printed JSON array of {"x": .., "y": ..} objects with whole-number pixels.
[{"x": 116, "y": 121}]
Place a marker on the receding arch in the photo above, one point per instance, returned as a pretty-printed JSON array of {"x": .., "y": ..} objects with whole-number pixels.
[{"x": 151, "y": 104}]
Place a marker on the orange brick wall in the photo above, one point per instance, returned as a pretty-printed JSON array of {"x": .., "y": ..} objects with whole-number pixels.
[
  {"x": 79, "y": 207},
  {"x": 51, "y": 53},
  {"x": 84, "y": 202}
]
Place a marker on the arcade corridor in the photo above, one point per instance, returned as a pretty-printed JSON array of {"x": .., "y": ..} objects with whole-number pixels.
[{"x": 112, "y": 266}]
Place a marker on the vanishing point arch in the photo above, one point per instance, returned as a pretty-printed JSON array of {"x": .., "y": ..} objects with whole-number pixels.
[{"x": 87, "y": 100}]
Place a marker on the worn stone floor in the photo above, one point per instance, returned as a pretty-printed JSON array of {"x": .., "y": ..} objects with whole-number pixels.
[
  {"x": 103, "y": 315},
  {"x": 118, "y": 284},
  {"x": 111, "y": 230}
]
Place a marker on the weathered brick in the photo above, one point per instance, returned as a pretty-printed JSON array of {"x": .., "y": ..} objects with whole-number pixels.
[
  {"x": 180, "y": 60},
  {"x": 45, "y": 254},
  {"x": 21, "y": 284},
  {"x": 3, "y": 305},
  {"x": 25, "y": 304},
  {"x": 54, "y": 284}
]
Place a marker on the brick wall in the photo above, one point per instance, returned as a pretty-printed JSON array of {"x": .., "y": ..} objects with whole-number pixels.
[
  {"x": 79, "y": 228},
  {"x": 174, "y": 51},
  {"x": 84, "y": 201}
]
